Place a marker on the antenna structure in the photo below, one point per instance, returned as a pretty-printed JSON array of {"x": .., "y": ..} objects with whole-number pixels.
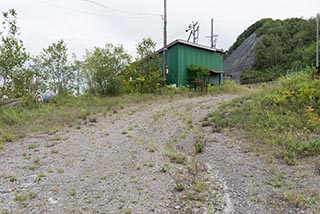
[{"x": 193, "y": 28}]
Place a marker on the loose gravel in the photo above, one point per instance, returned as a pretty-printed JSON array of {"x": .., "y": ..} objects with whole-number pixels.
[{"x": 120, "y": 163}]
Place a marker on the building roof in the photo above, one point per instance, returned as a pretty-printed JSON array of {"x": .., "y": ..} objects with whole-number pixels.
[
  {"x": 216, "y": 72},
  {"x": 180, "y": 41}
]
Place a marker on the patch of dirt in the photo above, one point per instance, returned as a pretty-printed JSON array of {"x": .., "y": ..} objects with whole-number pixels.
[{"x": 138, "y": 160}]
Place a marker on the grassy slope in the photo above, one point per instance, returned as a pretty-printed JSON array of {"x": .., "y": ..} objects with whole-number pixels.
[{"x": 283, "y": 118}]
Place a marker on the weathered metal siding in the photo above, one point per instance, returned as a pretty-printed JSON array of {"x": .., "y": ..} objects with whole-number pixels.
[{"x": 195, "y": 56}]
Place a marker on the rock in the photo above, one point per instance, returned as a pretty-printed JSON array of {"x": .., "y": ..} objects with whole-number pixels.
[
  {"x": 242, "y": 59},
  {"x": 52, "y": 201}
]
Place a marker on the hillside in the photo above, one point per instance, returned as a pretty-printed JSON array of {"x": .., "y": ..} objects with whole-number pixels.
[{"x": 268, "y": 48}]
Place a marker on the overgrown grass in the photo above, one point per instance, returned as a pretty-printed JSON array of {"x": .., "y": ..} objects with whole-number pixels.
[
  {"x": 228, "y": 86},
  {"x": 284, "y": 117},
  {"x": 62, "y": 111},
  {"x": 20, "y": 120}
]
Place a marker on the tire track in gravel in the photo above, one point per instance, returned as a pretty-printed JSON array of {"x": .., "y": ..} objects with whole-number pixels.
[{"x": 113, "y": 165}]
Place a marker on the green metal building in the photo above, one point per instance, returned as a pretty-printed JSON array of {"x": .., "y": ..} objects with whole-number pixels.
[{"x": 181, "y": 54}]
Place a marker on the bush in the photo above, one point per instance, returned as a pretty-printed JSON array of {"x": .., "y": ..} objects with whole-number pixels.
[{"x": 285, "y": 117}]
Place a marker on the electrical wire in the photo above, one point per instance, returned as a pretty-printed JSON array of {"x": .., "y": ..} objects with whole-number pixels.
[
  {"x": 90, "y": 13},
  {"x": 119, "y": 10}
]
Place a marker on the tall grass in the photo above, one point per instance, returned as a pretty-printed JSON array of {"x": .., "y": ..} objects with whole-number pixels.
[
  {"x": 229, "y": 86},
  {"x": 284, "y": 118}
]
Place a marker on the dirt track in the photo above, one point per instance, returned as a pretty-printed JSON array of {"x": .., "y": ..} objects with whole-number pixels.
[{"x": 119, "y": 163}]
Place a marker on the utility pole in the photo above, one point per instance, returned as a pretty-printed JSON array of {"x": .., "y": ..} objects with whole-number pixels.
[
  {"x": 213, "y": 37},
  {"x": 212, "y": 33},
  {"x": 317, "y": 59},
  {"x": 165, "y": 42}
]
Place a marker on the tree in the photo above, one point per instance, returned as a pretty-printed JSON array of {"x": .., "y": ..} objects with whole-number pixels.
[
  {"x": 103, "y": 68},
  {"x": 55, "y": 69},
  {"x": 13, "y": 56},
  {"x": 145, "y": 74}
]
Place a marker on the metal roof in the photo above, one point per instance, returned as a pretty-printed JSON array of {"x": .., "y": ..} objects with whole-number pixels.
[
  {"x": 216, "y": 72},
  {"x": 180, "y": 41}
]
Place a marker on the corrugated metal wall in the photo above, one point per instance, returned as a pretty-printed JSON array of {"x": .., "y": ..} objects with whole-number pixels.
[{"x": 180, "y": 56}]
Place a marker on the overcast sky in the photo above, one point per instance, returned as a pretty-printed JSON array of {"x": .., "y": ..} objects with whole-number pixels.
[{"x": 84, "y": 24}]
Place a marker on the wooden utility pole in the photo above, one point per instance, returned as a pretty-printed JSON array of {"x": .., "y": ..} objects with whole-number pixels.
[{"x": 165, "y": 41}]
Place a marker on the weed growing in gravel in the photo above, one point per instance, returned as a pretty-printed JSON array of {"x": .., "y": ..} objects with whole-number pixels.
[
  {"x": 151, "y": 164},
  {"x": 5, "y": 211},
  {"x": 165, "y": 168},
  {"x": 103, "y": 177},
  {"x": 152, "y": 148},
  {"x": 32, "y": 195},
  {"x": 179, "y": 187},
  {"x": 13, "y": 178},
  {"x": 72, "y": 191},
  {"x": 61, "y": 170},
  {"x": 176, "y": 157},
  {"x": 128, "y": 211},
  {"x": 7, "y": 137},
  {"x": 53, "y": 131},
  {"x": 32, "y": 167},
  {"x": 199, "y": 146},
  {"x": 20, "y": 197},
  {"x": 54, "y": 151},
  {"x": 200, "y": 186},
  {"x": 50, "y": 144},
  {"x": 36, "y": 161},
  {"x": 124, "y": 132},
  {"x": 40, "y": 176},
  {"x": 33, "y": 146}
]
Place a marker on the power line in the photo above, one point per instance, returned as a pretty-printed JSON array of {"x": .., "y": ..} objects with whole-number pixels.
[
  {"x": 90, "y": 13},
  {"x": 119, "y": 10}
]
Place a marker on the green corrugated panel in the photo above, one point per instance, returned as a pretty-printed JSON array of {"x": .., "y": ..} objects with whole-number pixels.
[
  {"x": 180, "y": 56},
  {"x": 172, "y": 61}
]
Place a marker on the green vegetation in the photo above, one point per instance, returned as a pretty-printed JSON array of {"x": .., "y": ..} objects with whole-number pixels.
[
  {"x": 199, "y": 146},
  {"x": 284, "y": 45},
  {"x": 227, "y": 87},
  {"x": 152, "y": 148},
  {"x": 250, "y": 30},
  {"x": 284, "y": 118},
  {"x": 72, "y": 191},
  {"x": 20, "y": 197},
  {"x": 197, "y": 72},
  {"x": 64, "y": 110}
]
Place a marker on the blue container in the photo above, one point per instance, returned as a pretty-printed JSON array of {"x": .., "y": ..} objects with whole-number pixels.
[{"x": 45, "y": 97}]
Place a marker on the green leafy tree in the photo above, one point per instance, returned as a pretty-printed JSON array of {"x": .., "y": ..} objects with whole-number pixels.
[
  {"x": 102, "y": 69},
  {"x": 145, "y": 74},
  {"x": 284, "y": 45},
  {"x": 13, "y": 56},
  {"x": 55, "y": 69},
  {"x": 197, "y": 72}
]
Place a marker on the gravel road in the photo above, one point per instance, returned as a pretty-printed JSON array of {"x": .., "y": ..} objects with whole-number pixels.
[{"x": 122, "y": 163}]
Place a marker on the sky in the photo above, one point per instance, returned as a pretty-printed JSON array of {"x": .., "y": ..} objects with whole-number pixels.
[{"x": 85, "y": 24}]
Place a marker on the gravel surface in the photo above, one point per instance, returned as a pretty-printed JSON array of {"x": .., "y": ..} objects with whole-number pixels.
[{"x": 123, "y": 163}]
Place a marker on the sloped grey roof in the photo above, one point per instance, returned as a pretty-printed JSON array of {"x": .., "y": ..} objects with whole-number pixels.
[{"x": 180, "y": 41}]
